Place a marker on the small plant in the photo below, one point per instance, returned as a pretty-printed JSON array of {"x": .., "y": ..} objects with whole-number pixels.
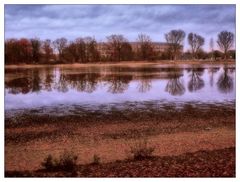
[
  {"x": 50, "y": 163},
  {"x": 96, "y": 159},
  {"x": 141, "y": 150},
  {"x": 66, "y": 162}
]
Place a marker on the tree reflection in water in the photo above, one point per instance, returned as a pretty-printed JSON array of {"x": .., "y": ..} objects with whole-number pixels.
[
  {"x": 145, "y": 84},
  {"x": 18, "y": 85},
  {"x": 62, "y": 85},
  {"x": 24, "y": 85},
  {"x": 211, "y": 72},
  {"x": 36, "y": 80},
  {"x": 225, "y": 82},
  {"x": 118, "y": 83},
  {"x": 196, "y": 82},
  {"x": 84, "y": 82},
  {"x": 115, "y": 79},
  {"x": 175, "y": 85},
  {"x": 145, "y": 81},
  {"x": 49, "y": 79}
]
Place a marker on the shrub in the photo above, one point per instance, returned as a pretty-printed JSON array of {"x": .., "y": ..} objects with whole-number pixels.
[
  {"x": 141, "y": 150},
  {"x": 49, "y": 163},
  {"x": 66, "y": 162},
  {"x": 96, "y": 159}
]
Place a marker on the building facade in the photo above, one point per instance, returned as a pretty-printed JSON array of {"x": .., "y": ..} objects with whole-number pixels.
[{"x": 158, "y": 47}]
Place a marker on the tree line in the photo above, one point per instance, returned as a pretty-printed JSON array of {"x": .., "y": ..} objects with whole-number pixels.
[{"x": 116, "y": 48}]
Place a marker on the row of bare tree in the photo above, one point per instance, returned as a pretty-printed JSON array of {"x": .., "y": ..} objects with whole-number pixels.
[{"x": 116, "y": 48}]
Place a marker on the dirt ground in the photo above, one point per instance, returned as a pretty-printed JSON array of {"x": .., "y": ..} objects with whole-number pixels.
[
  {"x": 210, "y": 163},
  {"x": 30, "y": 138}
]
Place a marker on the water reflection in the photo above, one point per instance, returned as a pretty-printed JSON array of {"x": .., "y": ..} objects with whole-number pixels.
[
  {"x": 225, "y": 81},
  {"x": 49, "y": 80},
  {"x": 145, "y": 84},
  {"x": 196, "y": 82},
  {"x": 115, "y": 84},
  {"x": 24, "y": 85},
  {"x": 212, "y": 72},
  {"x": 117, "y": 80},
  {"x": 19, "y": 85},
  {"x": 84, "y": 82},
  {"x": 175, "y": 85},
  {"x": 36, "y": 81},
  {"x": 118, "y": 83}
]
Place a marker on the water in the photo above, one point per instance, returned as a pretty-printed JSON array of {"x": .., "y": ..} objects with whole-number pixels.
[{"x": 117, "y": 85}]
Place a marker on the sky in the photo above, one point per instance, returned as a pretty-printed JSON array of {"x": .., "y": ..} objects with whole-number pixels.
[{"x": 73, "y": 21}]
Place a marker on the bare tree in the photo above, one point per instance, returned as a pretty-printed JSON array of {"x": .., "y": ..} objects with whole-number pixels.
[
  {"x": 126, "y": 51},
  {"x": 175, "y": 38},
  {"x": 36, "y": 53},
  {"x": 92, "y": 53},
  {"x": 211, "y": 46},
  {"x": 115, "y": 44},
  {"x": 146, "y": 50},
  {"x": 196, "y": 42},
  {"x": 71, "y": 53},
  {"x": 225, "y": 41},
  {"x": 81, "y": 49},
  {"x": 47, "y": 49},
  {"x": 60, "y": 45}
]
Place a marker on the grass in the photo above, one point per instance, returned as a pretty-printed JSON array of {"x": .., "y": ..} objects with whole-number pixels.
[
  {"x": 67, "y": 161},
  {"x": 141, "y": 150}
]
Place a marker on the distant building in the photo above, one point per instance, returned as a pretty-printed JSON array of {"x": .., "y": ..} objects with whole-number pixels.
[
  {"x": 158, "y": 47},
  {"x": 103, "y": 49}
]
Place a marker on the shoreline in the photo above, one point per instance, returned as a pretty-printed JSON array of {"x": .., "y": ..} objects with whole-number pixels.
[{"x": 123, "y": 63}]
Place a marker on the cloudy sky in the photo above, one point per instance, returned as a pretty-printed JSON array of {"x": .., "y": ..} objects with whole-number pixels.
[{"x": 72, "y": 21}]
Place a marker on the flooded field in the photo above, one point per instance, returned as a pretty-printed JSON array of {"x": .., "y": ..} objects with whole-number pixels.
[{"x": 105, "y": 109}]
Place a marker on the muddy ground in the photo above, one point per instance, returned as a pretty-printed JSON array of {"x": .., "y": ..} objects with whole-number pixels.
[
  {"x": 216, "y": 163},
  {"x": 30, "y": 137}
]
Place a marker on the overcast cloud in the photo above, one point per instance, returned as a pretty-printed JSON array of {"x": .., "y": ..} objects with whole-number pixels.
[{"x": 72, "y": 21}]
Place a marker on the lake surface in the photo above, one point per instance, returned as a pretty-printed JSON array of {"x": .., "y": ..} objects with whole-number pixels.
[{"x": 102, "y": 86}]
